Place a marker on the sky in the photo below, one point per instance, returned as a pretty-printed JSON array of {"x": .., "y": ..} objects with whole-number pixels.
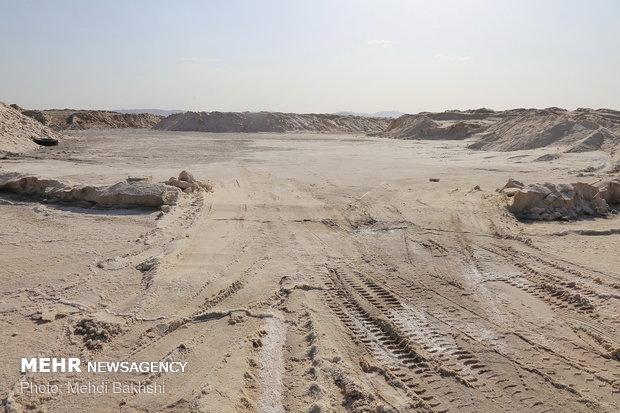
[{"x": 310, "y": 56}]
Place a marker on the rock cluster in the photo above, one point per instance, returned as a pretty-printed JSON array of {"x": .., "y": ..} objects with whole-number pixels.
[
  {"x": 550, "y": 201},
  {"x": 131, "y": 193},
  {"x": 95, "y": 333},
  {"x": 187, "y": 183}
]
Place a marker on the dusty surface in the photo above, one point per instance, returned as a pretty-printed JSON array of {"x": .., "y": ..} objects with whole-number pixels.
[{"x": 324, "y": 273}]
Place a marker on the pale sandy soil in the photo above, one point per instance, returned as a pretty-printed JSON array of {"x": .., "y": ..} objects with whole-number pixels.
[{"x": 324, "y": 273}]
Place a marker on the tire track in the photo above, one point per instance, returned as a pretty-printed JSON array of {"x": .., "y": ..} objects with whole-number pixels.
[
  {"x": 418, "y": 353},
  {"x": 484, "y": 340}
]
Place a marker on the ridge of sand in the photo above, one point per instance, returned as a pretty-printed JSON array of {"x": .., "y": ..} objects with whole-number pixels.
[
  {"x": 68, "y": 119},
  {"x": 270, "y": 122},
  {"x": 17, "y": 130},
  {"x": 548, "y": 201}
]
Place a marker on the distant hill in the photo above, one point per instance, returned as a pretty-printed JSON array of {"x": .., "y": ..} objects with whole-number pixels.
[
  {"x": 159, "y": 112},
  {"x": 384, "y": 114}
]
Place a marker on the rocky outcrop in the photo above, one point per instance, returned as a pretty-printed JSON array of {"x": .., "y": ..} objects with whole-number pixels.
[
  {"x": 187, "y": 183},
  {"x": 18, "y": 131},
  {"x": 561, "y": 201},
  {"x": 131, "y": 193},
  {"x": 270, "y": 122},
  {"x": 92, "y": 119}
]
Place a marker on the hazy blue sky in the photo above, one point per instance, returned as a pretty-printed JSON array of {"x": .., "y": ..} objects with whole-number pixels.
[{"x": 310, "y": 56}]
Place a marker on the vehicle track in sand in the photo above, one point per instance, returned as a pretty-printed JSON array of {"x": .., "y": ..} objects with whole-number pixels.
[
  {"x": 347, "y": 282},
  {"x": 418, "y": 336},
  {"x": 357, "y": 298}
]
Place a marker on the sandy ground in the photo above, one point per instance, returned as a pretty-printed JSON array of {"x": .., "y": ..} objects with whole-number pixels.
[{"x": 324, "y": 273}]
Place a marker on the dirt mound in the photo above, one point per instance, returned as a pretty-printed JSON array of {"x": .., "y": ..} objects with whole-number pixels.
[
  {"x": 424, "y": 127},
  {"x": 132, "y": 193},
  {"x": 462, "y": 115},
  {"x": 600, "y": 139},
  {"x": 452, "y": 124},
  {"x": 561, "y": 201},
  {"x": 187, "y": 183},
  {"x": 270, "y": 122},
  {"x": 578, "y": 131},
  {"x": 17, "y": 130},
  {"x": 582, "y": 130},
  {"x": 92, "y": 119}
]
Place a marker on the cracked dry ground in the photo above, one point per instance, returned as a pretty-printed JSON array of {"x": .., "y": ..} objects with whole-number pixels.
[{"x": 331, "y": 292}]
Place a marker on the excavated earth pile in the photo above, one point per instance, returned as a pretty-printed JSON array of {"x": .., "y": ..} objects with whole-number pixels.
[
  {"x": 17, "y": 131},
  {"x": 270, "y": 122},
  {"x": 560, "y": 130},
  {"x": 561, "y": 201},
  {"x": 92, "y": 119},
  {"x": 443, "y": 125},
  {"x": 581, "y": 130}
]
